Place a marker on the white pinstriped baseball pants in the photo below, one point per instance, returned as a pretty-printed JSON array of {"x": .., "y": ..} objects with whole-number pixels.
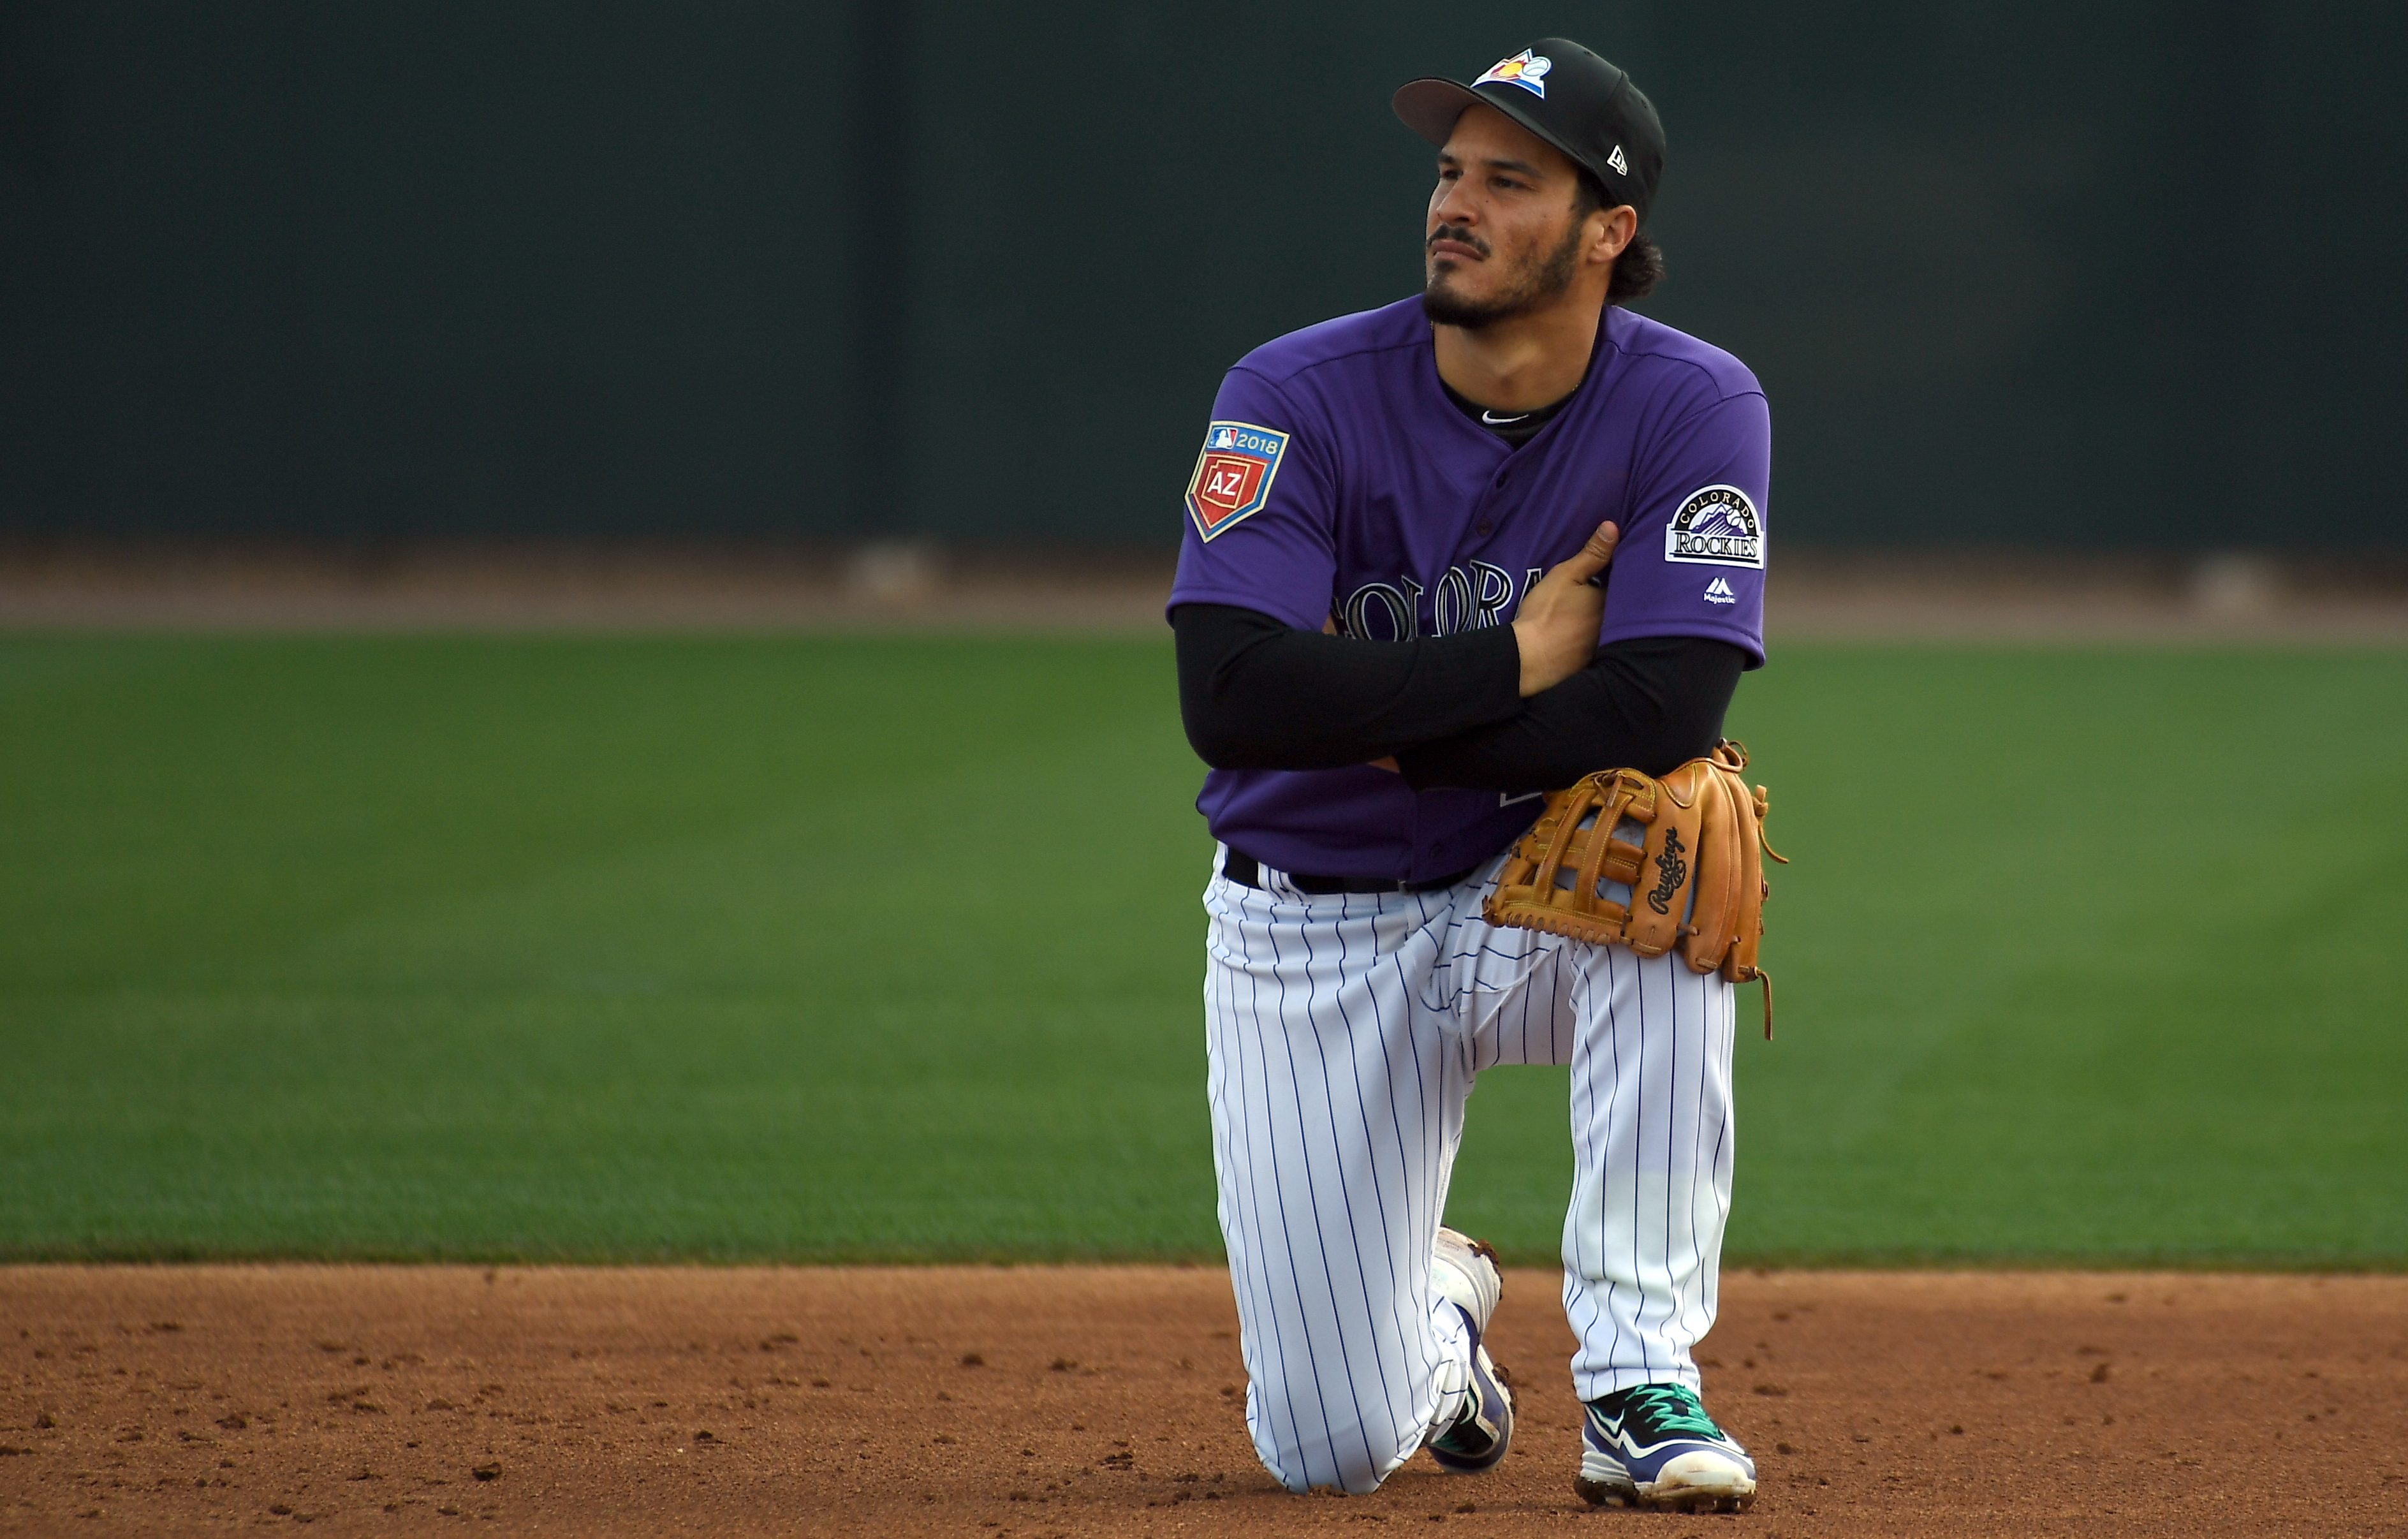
[{"x": 1343, "y": 1035}]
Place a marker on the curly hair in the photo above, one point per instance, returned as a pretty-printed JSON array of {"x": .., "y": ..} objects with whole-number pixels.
[{"x": 1640, "y": 266}]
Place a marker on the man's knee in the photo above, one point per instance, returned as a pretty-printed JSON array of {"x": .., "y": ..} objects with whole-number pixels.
[{"x": 1347, "y": 1452}]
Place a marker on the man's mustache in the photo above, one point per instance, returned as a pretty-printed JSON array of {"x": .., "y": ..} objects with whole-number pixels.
[{"x": 1456, "y": 232}]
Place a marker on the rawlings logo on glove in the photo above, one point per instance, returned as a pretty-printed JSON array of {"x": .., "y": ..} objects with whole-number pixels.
[{"x": 1673, "y": 869}]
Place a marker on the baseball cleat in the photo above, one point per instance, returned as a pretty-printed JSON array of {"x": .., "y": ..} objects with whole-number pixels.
[
  {"x": 1464, "y": 1272},
  {"x": 1480, "y": 1435},
  {"x": 1655, "y": 1446}
]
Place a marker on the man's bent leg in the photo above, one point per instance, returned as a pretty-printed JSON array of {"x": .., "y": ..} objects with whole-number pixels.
[
  {"x": 1337, "y": 1107},
  {"x": 1650, "y": 1117}
]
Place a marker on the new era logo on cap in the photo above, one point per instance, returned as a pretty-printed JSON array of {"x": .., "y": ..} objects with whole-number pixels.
[{"x": 1617, "y": 161}]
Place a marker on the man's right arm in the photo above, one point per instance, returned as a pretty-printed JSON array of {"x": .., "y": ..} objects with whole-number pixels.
[{"x": 1255, "y": 693}]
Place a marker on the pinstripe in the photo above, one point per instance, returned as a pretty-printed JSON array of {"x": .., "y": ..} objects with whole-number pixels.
[
  {"x": 1691, "y": 1294},
  {"x": 1259, "y": 1130},
  {"x": 1423, "y": 1198},
  {"x": 1246, "y": 1203},
  {"x": 1683, "y": 1125},
  {"x": 1722, "y": 1151},
  {"x": 1405, "y": 1169},
  {"x": 1679, "y": 1124},
  {"x": 1337, "y": 1168},
  {"x": 1425, "y": 1094},
  {"x": 1315, "y": 1251},
  {"x": 1636, "y": 1093},
  {"x": 1639, "y": 1143},
  {"x": 1285, "y": 1253},
  {"x": 1258, "y": 1324},
  {"x": 1600, "y": 1142},
  {"x": 1672, "y": 1273},
  {"x": 1266, "y": 1035},
  {"x": 1676, "y": 1136},
  {"x": 1666, "y": 1033},
  {"x": 1397, "y": 1414},
  {"x": 1260, "y": 1167},
  {"x": 1429, "y": 1188},
  {"x": 1261, "y": 1334},
  {"x": 1578, "y": 1236}
]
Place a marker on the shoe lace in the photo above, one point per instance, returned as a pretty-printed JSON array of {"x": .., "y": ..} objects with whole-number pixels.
[{"x": 1671, "y": 1408}]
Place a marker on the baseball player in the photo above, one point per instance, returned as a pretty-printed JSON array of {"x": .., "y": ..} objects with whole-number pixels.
[{"x": 1442, "y": 558}]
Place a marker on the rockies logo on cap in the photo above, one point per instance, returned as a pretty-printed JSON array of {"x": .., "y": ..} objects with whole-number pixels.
[{"x": 1524, "y": 69}]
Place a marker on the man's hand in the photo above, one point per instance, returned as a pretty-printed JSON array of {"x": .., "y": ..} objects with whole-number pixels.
[{"x": 1558, "y": 623}]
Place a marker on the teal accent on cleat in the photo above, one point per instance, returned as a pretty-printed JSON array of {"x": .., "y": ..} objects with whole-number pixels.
[{"x": 1655, "y": 1446}]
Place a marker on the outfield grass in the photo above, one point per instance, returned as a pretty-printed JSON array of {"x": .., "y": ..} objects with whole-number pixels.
[{"x": 846, "y": 948}]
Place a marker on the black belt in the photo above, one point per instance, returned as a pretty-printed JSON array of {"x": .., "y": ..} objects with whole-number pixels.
[{"x": 1246, "y": 871}]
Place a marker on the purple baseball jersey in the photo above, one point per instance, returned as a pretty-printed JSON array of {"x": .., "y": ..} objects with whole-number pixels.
[{"x": 1338, "y": 482}]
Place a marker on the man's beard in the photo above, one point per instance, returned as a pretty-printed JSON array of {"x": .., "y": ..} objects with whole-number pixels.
[{"x": 1540, "y": 281}]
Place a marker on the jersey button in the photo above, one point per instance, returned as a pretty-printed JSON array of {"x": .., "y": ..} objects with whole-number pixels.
[{"x": 1485, "y": 527}]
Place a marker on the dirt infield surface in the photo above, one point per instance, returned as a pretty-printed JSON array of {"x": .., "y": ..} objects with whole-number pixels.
[{"x": 1029, "y": 1401}]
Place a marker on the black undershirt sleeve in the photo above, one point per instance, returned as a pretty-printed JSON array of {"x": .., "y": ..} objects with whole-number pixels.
[
  {"x": 1649, "y": 704},
  {"x": 1257, "y": 693}
]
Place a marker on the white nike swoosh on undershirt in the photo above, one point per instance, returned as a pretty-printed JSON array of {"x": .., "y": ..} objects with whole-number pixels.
[{"x": 1493, "y": 420}]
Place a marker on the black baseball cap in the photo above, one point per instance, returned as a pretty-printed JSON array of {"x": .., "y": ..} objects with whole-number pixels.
[{"x": 1566, "y": 96}]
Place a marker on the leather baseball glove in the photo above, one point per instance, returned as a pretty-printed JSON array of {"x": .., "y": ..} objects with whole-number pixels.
[{"x": 1695, "y": 885}]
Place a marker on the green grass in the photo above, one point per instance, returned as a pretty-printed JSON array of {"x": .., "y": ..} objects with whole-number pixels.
[{"x": 849, "y": 948}]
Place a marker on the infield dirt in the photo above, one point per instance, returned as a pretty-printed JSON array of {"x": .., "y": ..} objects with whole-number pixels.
[{"x": 1024, "y": 1402}]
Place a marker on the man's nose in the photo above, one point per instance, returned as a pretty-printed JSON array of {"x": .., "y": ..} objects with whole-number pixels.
[{"x": 1455, "y": 205}]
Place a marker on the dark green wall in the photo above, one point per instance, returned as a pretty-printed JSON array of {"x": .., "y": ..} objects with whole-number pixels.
[{"x": 2114, "y": 273}]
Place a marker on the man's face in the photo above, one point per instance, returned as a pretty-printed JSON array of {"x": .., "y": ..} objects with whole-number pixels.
[{"x": 1501, "y": 238}]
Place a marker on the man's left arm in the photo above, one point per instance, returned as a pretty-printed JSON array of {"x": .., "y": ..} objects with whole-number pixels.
[
  {"x": 1649, "y": 703},
  {"x": 1683, "y": 618}
]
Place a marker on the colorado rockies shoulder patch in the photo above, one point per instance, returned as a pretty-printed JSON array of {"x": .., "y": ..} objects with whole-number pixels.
[
  {"x": 1716, "y": 525},
  {"x": 1233, "y": 475}
]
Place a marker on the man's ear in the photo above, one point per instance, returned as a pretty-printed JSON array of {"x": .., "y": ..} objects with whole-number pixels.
[{"x": 1621, "y": 227}]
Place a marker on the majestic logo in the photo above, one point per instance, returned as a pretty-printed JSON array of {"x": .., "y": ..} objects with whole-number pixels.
[
  {"x": 1718, "y": 526},
  {"x": 1233, "y": 475},
  {"x": 1524, "y": 69},
  {"x": 1719, "y": 592},
  {"x": 1671, "y": 870},
  {"x": 1617, "y": 161}
]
